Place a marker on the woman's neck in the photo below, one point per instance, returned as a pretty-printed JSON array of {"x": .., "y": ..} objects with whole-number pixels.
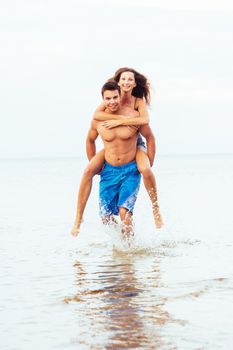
[{"x": 126, "y": 98}]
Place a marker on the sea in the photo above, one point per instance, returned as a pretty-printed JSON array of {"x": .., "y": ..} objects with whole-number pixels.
[{"x": 168, "y": 289}]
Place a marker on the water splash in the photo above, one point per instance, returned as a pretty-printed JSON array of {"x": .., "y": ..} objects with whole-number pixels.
[{"x": 138, "y": 243}]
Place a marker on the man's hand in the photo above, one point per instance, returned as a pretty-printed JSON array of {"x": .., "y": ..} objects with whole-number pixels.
[{"x": 146, "y": 131}]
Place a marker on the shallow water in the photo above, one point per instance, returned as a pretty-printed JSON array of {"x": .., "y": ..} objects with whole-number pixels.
[{"x": 171, "y": 289}]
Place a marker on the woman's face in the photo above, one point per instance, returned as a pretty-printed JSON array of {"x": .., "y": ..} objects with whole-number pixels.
[{"x": 127, "y": 81}]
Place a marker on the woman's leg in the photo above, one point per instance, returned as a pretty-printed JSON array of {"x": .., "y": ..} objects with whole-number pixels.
[
  {"x": 93, "y": 168},
  {"x": 144, "y": 168}
]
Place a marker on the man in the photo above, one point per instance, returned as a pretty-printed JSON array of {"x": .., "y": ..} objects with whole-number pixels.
[{"x": 120, "y": 178}]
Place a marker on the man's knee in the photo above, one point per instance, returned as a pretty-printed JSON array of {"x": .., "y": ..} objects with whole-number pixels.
[
  {"x": 125, "y": 214},
  {"x": 122, "y": 212}
]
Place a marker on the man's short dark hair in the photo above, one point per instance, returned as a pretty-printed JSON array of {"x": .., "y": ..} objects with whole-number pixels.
[{"x": 110, "y": 85}]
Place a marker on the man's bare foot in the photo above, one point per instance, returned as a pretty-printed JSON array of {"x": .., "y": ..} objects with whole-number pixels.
[
  {"x": 127, "y": 232},
  {"x": 158, "y": 218}
]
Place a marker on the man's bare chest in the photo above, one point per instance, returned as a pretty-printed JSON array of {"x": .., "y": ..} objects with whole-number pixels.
[{"x": 118, "y": 133}]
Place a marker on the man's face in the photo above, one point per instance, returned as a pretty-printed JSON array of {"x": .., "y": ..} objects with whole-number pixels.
[{"x": 112, "y": 100}]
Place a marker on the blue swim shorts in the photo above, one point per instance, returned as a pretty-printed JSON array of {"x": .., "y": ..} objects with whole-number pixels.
[
  {"x": 141, "y": 144},
  {"x": 118, "y": 187}
]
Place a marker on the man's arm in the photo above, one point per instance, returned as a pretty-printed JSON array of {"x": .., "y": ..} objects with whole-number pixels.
[
  {"x": 90, "y": 141},
  {"x": 146, "y": 131}
]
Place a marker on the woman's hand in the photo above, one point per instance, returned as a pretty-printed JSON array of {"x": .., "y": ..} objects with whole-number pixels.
[{"x": 109, "y": 124}]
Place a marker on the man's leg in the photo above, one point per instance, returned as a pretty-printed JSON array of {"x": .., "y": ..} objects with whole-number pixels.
[
  {"x": 130, "y": 183},
  {"x": 108, "y": 219},
  {"x": 127, "y": 222},
  {"x": 93, "y": 168}
]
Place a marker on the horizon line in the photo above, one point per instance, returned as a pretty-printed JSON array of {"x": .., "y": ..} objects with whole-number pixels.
[{"x": 76, "y": 157}]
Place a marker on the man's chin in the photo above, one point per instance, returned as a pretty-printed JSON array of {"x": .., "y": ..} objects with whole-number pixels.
[{"x": 114, "y": 109}]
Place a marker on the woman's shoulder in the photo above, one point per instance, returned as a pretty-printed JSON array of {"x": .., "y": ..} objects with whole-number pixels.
[{"x": 139, "y": 101}]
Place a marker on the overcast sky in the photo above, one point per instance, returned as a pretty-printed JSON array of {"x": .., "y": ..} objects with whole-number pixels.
[{"x": 55, "y": 56}]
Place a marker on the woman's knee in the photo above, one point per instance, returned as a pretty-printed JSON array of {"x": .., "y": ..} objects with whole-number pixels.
[
  {"x": 146, "y": 172},
  {"x": 143, "y": 163},
  {"x": 90, "y": 171}
]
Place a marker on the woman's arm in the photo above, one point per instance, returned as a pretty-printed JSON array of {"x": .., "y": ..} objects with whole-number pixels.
[
  {"x": 114, "y": 120},
  {"x": 101, "y": 115},
  {"x": 142, "y": 119}
]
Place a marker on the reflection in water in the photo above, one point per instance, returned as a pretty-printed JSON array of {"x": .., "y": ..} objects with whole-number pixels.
[
  {"x": 119, "y": 303},
  {"x": 122, "y": 312}
]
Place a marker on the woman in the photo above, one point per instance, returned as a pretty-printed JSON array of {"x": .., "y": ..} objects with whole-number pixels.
[{"x": 135, "y": 95}]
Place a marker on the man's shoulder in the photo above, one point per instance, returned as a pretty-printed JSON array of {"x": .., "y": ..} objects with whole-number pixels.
[{"x": 94, "y": 123}]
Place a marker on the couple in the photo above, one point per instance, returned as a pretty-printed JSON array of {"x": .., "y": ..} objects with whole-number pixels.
[{"x": 122, "y": 114}]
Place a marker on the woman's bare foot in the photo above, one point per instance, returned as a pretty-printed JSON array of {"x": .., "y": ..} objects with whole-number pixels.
[
  {"x": 76, "y": 229},
  {"x": 157, "y": 217},
  {"x": 158, "y": 220}
]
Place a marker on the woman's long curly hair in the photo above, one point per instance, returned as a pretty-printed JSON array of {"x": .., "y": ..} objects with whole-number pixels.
[{"x": 142, "y": 88}]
